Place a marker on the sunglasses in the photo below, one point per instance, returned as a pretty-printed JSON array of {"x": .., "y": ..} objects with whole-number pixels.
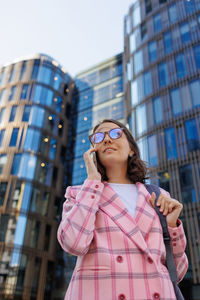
[{"x": 98, "y": 137}]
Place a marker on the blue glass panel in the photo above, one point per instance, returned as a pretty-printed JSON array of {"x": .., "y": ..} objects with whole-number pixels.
[
  {"x": 152, "y": 51},
  {"x": 37, "y": 93},
  {"x": 157, "y": 23},
  {"x": 187, "y": 184},
  {"x": 170, "y": 141},
  {"x": 172, "y": 14},
  {"x": 2, "y": 133},
  {"x": 193, "y": 141},
  {"x": 27, "y": 166},
  {"x": 141, "y": 119},
  {"x": 37, "y": 116},
  {"x": 134, "y": 92},
  {"x": 189, "y": 6},
  {"x": 13, "y": 113},
  {"x": 57, "y": 103},
  {"x": 11, "y": 76},
  {"x": 3, "y": 97},
  {"x": 12, "y": 93},
  {"x": 45, "y": 75},
  {"x": 32, "y": 139},
  {"x": 147, "y": 85},
  {"x": 26, "y": 113},
  {"x": 138, "y": 62},
  {"x": 35, "y": 69},
  {"x": 195, "y": 92},
  {"x": 136, "y": 15},
  {"x": 23, "y": 70},
  {"x": 185, "y": 33},
  {"x": 57, "y": 81},
  {"x": 52, "y": 152},
  {"x": 197, "y": 56},
  {"x": 16, "y": 164},
  {"x": 157, "y": 110},
  {"x": 132, "y": 42},
  {"x": 3, "y": 160},
  {"x": 14, "y": 136},
  {"x": 24, "y": 91},
  {"x": 180, "y": 65},
  {"x": 3, "y": 77},
  {"x": 2, "y": 113},
  {"x": 152, "y": 150},
  {"x": 163, "y": 74},
  {"x": 176, "y": 101}
]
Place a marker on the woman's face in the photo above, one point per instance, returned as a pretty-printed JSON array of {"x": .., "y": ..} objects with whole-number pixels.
[{"x": 112, "y": 151}]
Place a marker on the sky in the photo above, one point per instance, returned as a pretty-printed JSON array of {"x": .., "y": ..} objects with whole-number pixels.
[{"x": 77, "y": 33}]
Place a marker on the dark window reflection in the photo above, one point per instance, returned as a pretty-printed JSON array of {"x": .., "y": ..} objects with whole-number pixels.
[{"x": 187, "y": 185}]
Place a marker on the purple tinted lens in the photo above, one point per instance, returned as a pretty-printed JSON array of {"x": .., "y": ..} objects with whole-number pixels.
[
  {"x": 98, "y": 137},
  {"x": 115, "y": 133}
]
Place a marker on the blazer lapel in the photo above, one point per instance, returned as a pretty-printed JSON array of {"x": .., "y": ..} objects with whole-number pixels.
[{"x": 135, "y": 228}]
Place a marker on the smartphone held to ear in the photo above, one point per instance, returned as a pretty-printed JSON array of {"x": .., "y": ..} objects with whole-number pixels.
[{"x": 94, "y": 158}]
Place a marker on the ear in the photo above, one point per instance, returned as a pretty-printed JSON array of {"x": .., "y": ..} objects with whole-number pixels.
[{"x": 131, "y": 153}]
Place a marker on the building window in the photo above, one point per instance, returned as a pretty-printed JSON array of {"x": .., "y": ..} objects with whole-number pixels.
[
  {"x": 16, "y": 164},
  {"x": 35, "y": 69},
  {"x": 23, "y": 70},
  {"x": 128, "y": 70},
  {"x": 152, "y": 150},
  {"x": 172, "y": 14},
  {"x": 187, "y": 185},
  {"x": 13, "y": 113},
  {"x": 138, "y": 62},
  {"x": 163, "y": 74},
  {"x": 45, "y": 75},
  {"x": 3, "y": 96},
  {"x": 32, "y": 139},
  {"x": 132, "y": 42},
  {"x": 26, "y": 113},
  {"x": 176, "y": 101},
  {"x": 195, "y": 92},
  {"x": 3, "y": 77},
  {"x": 185, "y": 33},
  {"x": 147, "y": 86},
  {"x": 181, "y": 68},
  {"x": 162, "y": 1},
  {"x": 189, "y": 6},
  {"x": 4, "y": 218},
  {"x": 3, "y": 187},
  {"x": 157, "y": 23},
  {"x": 152, "y": 51},
  {"x": 136, "y": 15},
  {"x": 170, "y": 141},
  {"x": 197, "y": 56},
  {"x": 2, "y": 113},
  {"x": 12, "y": 93},
  {"x": 134, "y": 92},
  {"x": 164, "y": 180},
  {"x": 143, "y": 30},
  {"x": 24, "y": 91},
  {"x": 11, "y": 76},
  {"x": 168, "y": 42},
  {"x": 3, "y": 160},
  {"x": 157, "y": 110},
  {"x": 141, "y": 115},
  {"x": 148, "y": 6},
  {"x": 37, "y": 116},
  {"x": 192, "y": 135},
  {"x": 47, "y": 237},
  {"x": 14, "y": 136},
  {"x": 53, "y": 148},
  {"x": 2, "y": 133}
]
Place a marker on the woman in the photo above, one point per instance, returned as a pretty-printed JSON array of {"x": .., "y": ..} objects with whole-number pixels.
[{"x": 110, "y": 223}]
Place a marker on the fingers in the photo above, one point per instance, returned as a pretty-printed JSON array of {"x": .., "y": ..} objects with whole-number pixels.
[
  {"x": 152, "y": 199},
  {"x": 167, "y": 205}
]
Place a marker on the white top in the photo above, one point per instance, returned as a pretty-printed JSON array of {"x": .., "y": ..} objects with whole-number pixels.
[{"x": 128, "y": 194}]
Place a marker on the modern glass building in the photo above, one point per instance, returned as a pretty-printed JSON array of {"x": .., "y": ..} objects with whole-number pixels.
[
  {"x": 35, "y": 99},
  {"x": 99, "y": 95},
  {"x": 162, "y": 92}
]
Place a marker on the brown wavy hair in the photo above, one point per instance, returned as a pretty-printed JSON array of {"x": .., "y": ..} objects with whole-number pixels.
[{"x": 136, "y": 169}]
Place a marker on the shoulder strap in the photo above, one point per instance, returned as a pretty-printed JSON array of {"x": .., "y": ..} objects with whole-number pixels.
[{"x": 166, "y": 236}]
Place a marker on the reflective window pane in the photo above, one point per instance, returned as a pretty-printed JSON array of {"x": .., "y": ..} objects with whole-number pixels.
[
  {"x": 26, "y": 113},
  {"x": 176, "y": 101},
  {"x": 168, "y": 42},
  {"x": 157, "y": 23},
  {"x": 138, "y": 62},
  {"x": 170, "y": 141},
  {"x": 187, "y": 184},
  {"x": 141, "y": 119},
  {"x": 2, "y": 133},
  {"x": 23, "y": 70},
  {"x": 147, "y": 85},
  {"x": 189, "y": 6},
  {"x": 152, "y": 51},
  {"x": 193, "y": 141},
  {"x": 24, "y": 91},
  {"x": 37, "y": 116},
  {"x": 13, "y": 113},
  {"x": 181, "y": 68},
  {"x": 3, "y": 96},
  {"x": 16, "y": 164},
  {"x": 157, "y": 110},
  {"x": 148, "y": 6},
  {"x": 152, "y": 149},
  {"x": 197, "y": 56},
  {"x": 3, "y": 160},
  {"x": 185, "y": 33},
  {"x": 35, "y": 69},
  {"x": 44, "y": 75},
  {"x": 132, "y": 42},
  {"x": 195, "y": 92},
  {"x": 3, "y": 187},
  {"x": 32, "y": 139},
  {"x": 136, "y": 15},
  {"x": 12, "y": 93},
  {"x": 172, "y": 14},
  {"x": 2, "y": 113},
  {"x": 14, "y": 136},
  {"x": 163, "y": 74}
]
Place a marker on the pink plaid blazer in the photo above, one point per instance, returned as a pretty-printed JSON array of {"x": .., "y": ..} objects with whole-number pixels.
[{"x": 119, "y": 257}]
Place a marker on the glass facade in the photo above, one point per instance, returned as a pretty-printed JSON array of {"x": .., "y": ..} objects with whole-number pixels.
[
  {"x": 34, "y": 116},
  {"x": 163, "y": 97}
]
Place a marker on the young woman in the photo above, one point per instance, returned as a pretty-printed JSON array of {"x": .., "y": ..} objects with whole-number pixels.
[{"x": 110, "y": 223}]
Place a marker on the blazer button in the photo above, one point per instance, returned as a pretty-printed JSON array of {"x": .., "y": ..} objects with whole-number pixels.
[
  {"x": 96, "y": 186},
  {"x": 156, "y": 296},
  {"x": 150, "y": 260},
  {"x": 174, "y": 233},
  {"x": 174, "y": 244},
  {"x": 92, "y": 196},
  {"x": 121, "y": 297},
  {"x": 119, "y": 258}
]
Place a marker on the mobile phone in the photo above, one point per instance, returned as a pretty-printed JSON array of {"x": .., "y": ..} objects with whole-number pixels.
[{"x": 94, "y": 156}]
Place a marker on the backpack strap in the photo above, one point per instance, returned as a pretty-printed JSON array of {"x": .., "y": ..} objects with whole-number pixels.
[{"x": 166, "y": 236}]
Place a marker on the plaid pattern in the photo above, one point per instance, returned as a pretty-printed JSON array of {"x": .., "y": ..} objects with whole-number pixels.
[{"x": 119, "y": 257}]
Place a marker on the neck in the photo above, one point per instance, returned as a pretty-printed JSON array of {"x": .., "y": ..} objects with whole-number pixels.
[{"x": 116, "y": 175}]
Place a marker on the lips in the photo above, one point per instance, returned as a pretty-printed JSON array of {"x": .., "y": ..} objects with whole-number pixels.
[{"x": 108, "y": 149}]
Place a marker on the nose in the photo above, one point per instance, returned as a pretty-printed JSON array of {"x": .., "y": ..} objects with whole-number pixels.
[{"x": 107, "y": 138}]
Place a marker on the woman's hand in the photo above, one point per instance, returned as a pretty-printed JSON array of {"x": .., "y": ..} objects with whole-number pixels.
[
  {"x": 171, "y": 208},
  {"x": 90, "y": 165}
]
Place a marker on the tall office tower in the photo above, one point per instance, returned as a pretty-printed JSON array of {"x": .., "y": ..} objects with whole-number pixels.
[
  {"x": 99, "y": 95},
  {"x": 162, "y": 90},
  {"x": 35, "y": 95}
]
